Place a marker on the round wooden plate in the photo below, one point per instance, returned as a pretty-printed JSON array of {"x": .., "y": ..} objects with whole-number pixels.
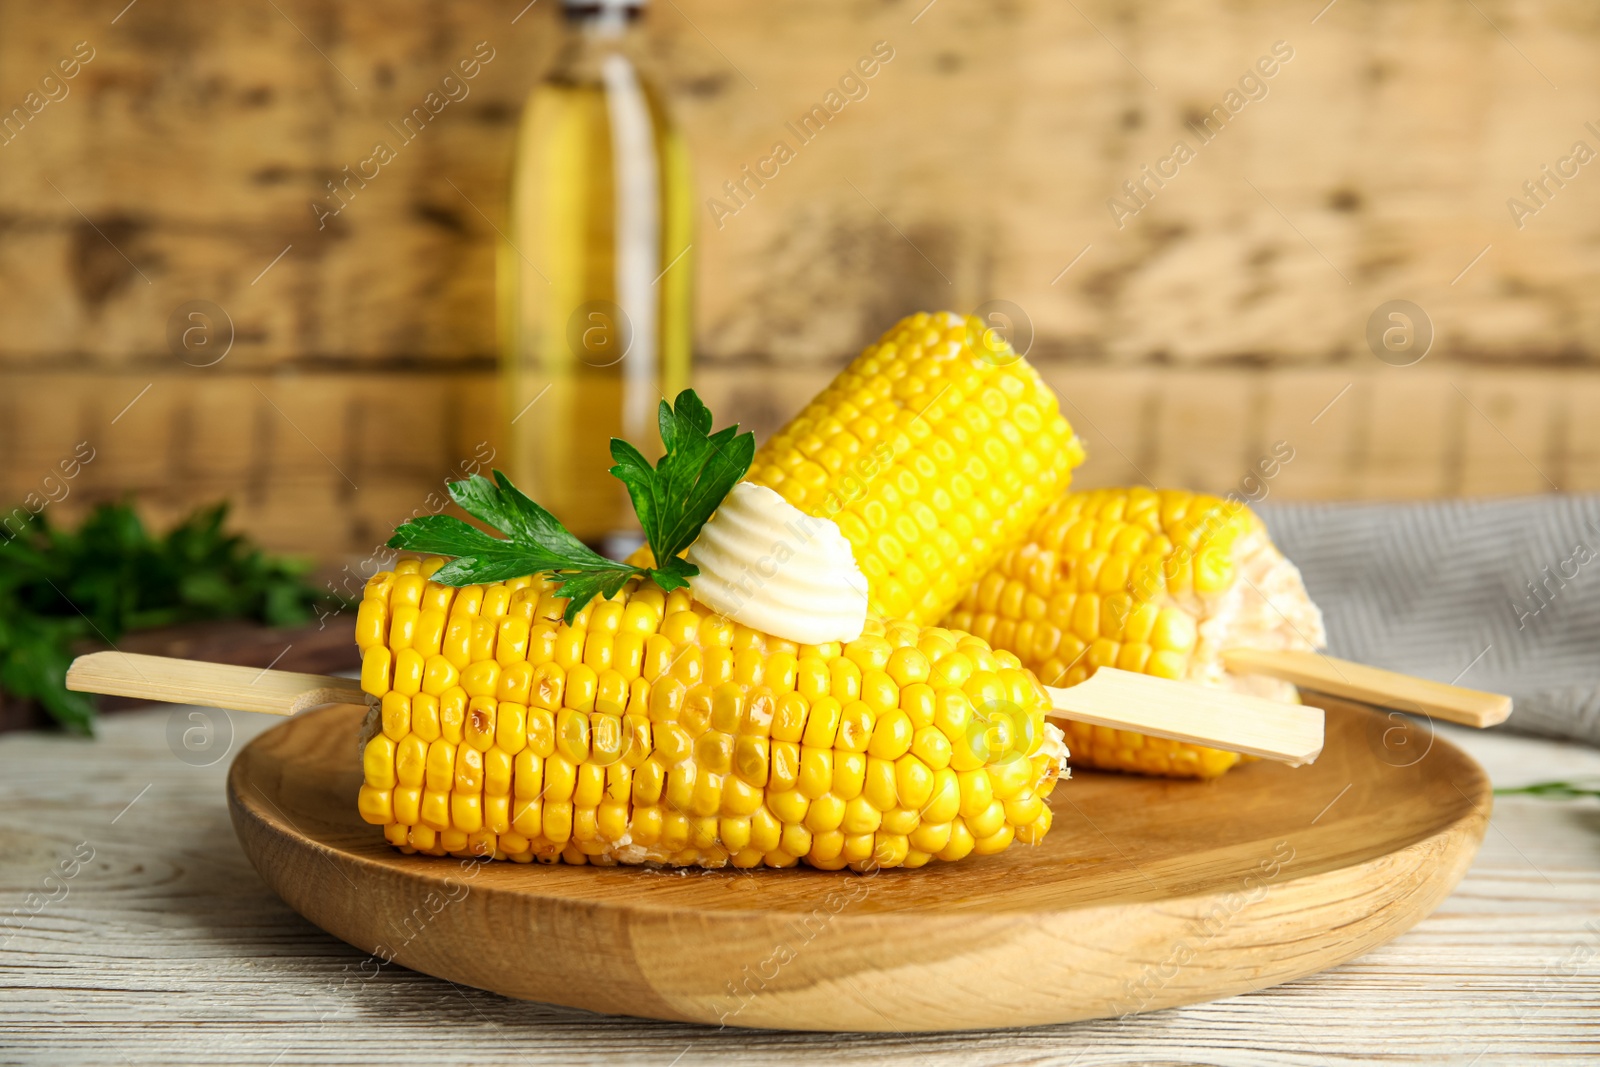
[{"x": 1146, "y": 894}]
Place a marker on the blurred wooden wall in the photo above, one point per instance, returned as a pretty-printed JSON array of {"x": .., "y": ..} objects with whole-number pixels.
[{"x": 1228, "y": 313}]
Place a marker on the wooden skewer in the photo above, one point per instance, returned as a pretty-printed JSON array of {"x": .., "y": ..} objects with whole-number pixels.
[
  {"x": 1372, "y": 685},
  {"x": 1184, "y": 711},
  {"x": 1119, "y": 699},
  {"x": 214, "y": 685}
]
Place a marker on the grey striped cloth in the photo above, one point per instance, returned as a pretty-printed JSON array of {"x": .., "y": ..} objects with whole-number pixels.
[{"x": 1501, "y": 595}]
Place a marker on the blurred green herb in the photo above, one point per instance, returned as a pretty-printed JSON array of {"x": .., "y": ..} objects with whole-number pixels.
[
  {"x": 1562, "y": 790},
  {"x": 112, "y": 576}
]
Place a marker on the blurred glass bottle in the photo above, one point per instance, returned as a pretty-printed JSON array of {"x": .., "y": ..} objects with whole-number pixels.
[{"x": 595, "y": 276}]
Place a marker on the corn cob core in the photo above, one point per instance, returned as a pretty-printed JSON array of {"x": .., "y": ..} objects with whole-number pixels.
[
  {"x": 652, "y": 731},
  {"x": 1158, "y": 582},
  {"x": 933, "y": 451}
]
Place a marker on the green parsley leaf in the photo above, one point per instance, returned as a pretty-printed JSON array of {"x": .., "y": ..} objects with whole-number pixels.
[
  {"x": 1564, "y": 790},
  {"x": 675, "y": 574},
  {"x": 673, "y": 500}
]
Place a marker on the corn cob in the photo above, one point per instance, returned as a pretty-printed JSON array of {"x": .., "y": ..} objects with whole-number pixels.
[
  {"x": 1155, "y": 582},
  {"x": 934, "y": 450},
  {"x": 651, "y": 730}
]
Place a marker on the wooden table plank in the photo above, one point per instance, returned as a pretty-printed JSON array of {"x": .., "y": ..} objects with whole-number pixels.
[{"x": 167, "y": 948}]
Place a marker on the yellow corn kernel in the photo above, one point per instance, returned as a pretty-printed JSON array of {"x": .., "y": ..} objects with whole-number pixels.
[
  {"x": 375, "y": 805},
  {"x": 857, "y": 722},
  {"x": 527, "y": 779},
  {"x": 438, "y": 675},
  {"x": 547, "y": 687},
  {"x": 485, "y": 631},
  {"x": 960, "y": 844},
  {"x": 560, "y": 778},
  {"x": 377, "y": 663},
  {"x": 469, "y": 770},
  {"x": 766, "y": 829},
  {"x": 816, "y": 771},
  {"x": 379, "y": 587},
  {"x": 441, "y": 766},
  {"x": 435, "y": 810},
  {"x": 456, "y": 644},
  {"x": 510, "y": 727},
  {"x": 825, "y": 813},
  {"x": 611, "y": 693},
  {"x": 372, "y": 619},
  {"x": 402, "y": 626},
  {"x": 931, "y": 747},
  {"x": 672, "y": 742},
  {"x": 598, "y": 650},
  {"x": 649, "y": 781},
  {"x": 606, "y": 739},
  {"x": 619, "y": 782},
  {"x": 706, "y": 797},
  {"x": 879, "y": 690},
  {"x": 739, "y": 797},
  {"x": 411, "y": 760},
  {"x": 407, "y": 803},
  {"x": 590, "y": 789},
  {"x": 849, "y": 774},
  {"x": 822, "y": 724},
  {"x": 789, "y": 720},
  {"x": 511, "y": 640},
  {"x": 790, "y": 807},
  {"x": 1023, "y": 810},
  {"x": 750, "y": 760},
  {"x": 408, "y": 665},
  {"x": 999, "y": 841},
  {"x": 468, "y": 600},
  {"x": 569, "y": 648},
  {"x": 681, "y": 778},
  {"x": 913, "y": 782},
  {"x": 812, "y": 677},
  {"x": 527, "y": 817},
  {"x": 907, "y": 666},
  {"x": 378, "y": 762},
  {"x": 582, "y": 686},
  {"x": 572, "y": 735},
  {"x": 714, "y": 751},
  {"x": 891, "y": 735},
  {"x": 920, "y": 702},
  {"x": 395, "y": 715},
  {"x": 496, "y": 599},
  {"x": 481, "y": 678},
  {"x": 639, "y": 743},
  {"x": 498, "y": 766},
  {"x": 515, "y": 683},
  {"x": 466, "y": 811},
  {"x": 496, "y": 820},
  {"x": 861, "y": 816},
  {"x": 881, "y": 787},
  {"x": 478, "y": 731},
  {"x": 976, "y": 792},
  {"x": 558, "y": 821}
]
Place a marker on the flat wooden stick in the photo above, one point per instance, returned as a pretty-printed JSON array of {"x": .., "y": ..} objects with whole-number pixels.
[
  {"x": 1183, "y": 711},
  {"x": 216, "y": 685},
  {"x": 1119, "y": 699},
  {"x": 1372, "y": 685}
]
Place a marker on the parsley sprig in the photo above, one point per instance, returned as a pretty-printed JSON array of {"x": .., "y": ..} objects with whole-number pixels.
[{"x": 673, "y": 499}]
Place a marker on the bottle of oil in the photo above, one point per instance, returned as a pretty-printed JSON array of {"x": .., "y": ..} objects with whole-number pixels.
[{"x": 595, "y": 272}]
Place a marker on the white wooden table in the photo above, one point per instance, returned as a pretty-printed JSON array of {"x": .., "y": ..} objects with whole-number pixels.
[{"x": 166, "y": 948}]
